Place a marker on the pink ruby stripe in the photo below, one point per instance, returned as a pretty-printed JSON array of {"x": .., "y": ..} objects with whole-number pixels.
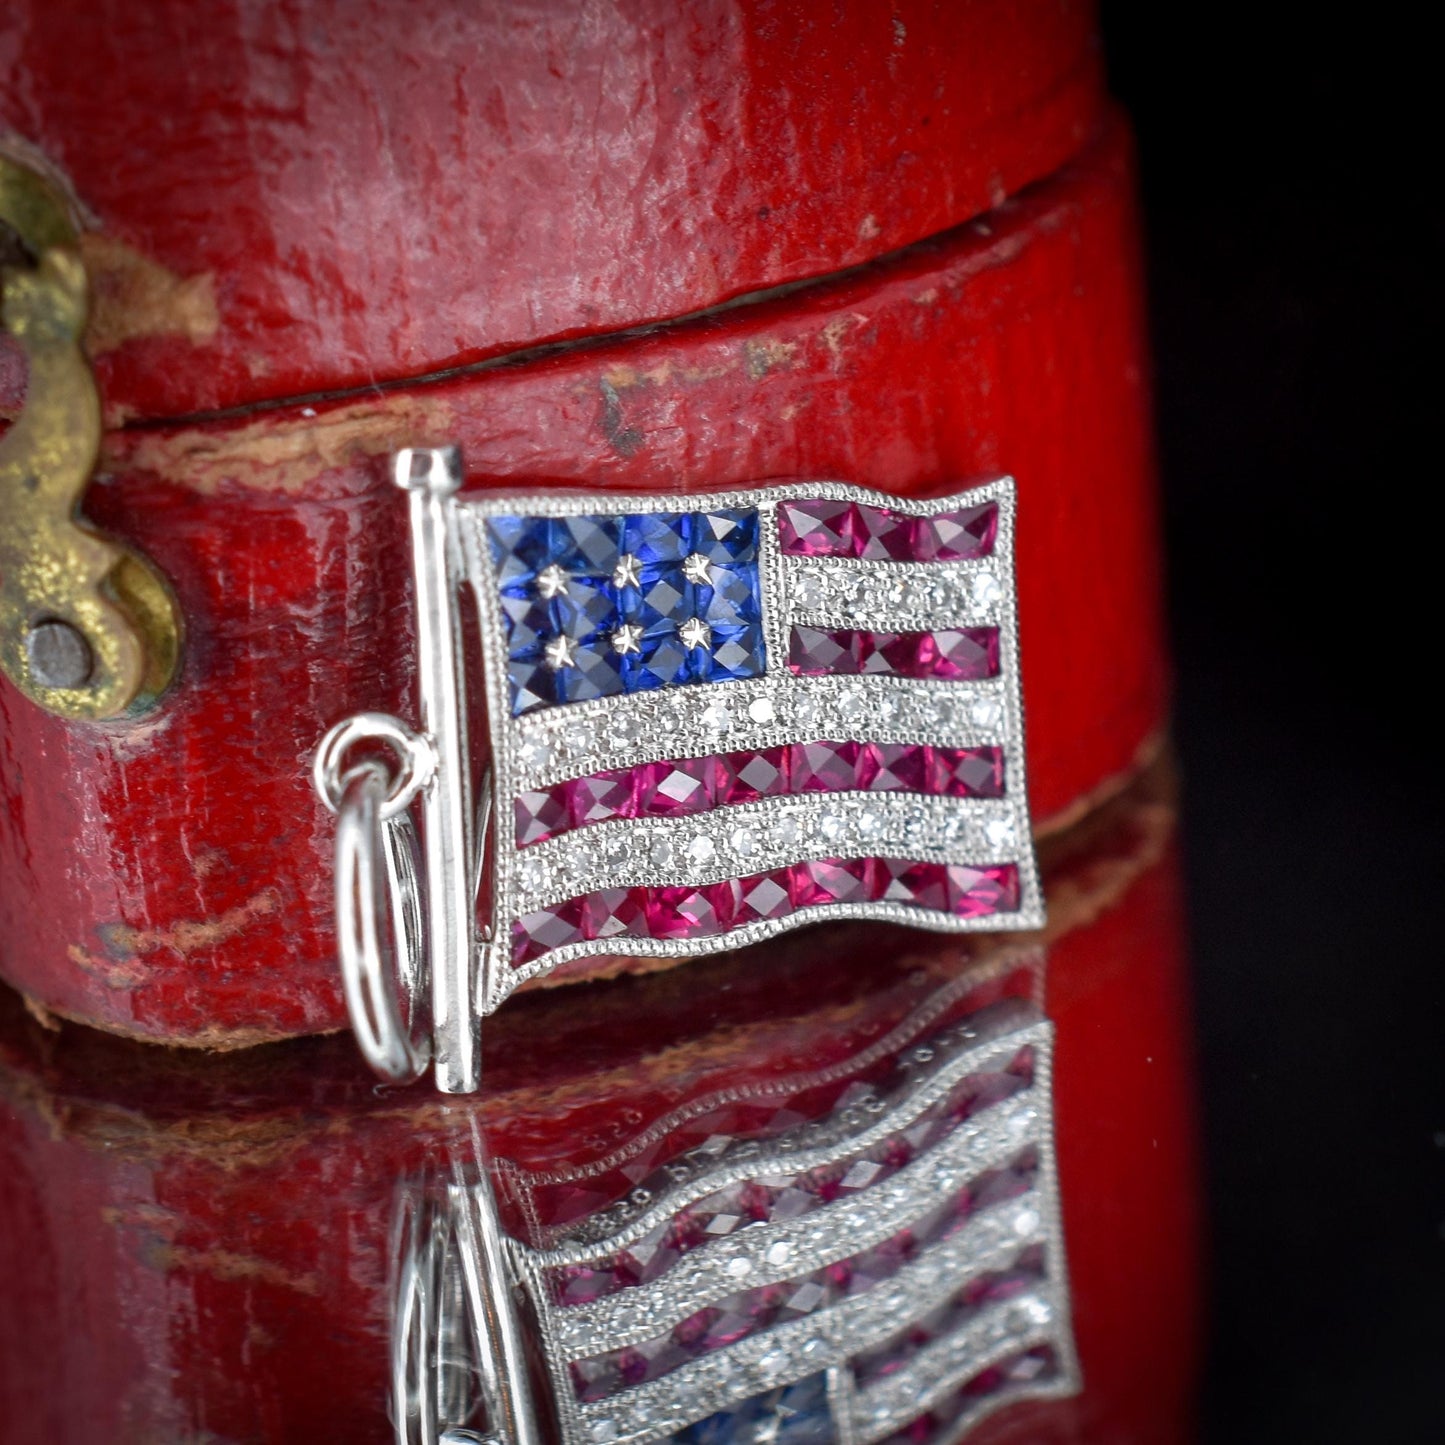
[
  {"x": 821, "y": 527},
  {"x": 706, "y": 910},
  {"x": 955, "y": 654},
  {"x": 672, "y": 789}
]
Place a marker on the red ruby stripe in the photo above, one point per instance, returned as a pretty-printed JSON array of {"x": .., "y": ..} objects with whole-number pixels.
[
  {"x": 956, "y": 654},
  {"x": 685, "y": 911},
  {"x": 817, "y": 527},
  {"x": 694, "y": 785}
]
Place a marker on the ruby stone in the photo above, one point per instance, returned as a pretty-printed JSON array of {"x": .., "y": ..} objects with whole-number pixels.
[
  {"x": 548, "y": 928},
  {"x": 817, "y": 527}
]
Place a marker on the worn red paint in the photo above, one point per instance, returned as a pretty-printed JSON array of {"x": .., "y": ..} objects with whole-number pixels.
[{"x": 373, "y": 191}]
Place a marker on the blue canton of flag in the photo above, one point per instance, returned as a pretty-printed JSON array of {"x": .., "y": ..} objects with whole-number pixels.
[{"x": 593, "y": 606}]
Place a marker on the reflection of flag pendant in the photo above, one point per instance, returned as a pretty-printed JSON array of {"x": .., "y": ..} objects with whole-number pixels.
[
  {"x": 896, "y": 1265},
  {"x": 712, "y": 718}
]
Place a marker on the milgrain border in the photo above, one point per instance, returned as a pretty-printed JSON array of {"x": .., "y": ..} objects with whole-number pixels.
[{"x": 497, "y": 978}]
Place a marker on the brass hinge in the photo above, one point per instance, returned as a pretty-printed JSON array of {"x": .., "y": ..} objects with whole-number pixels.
[{"x": 88, "y": 626}]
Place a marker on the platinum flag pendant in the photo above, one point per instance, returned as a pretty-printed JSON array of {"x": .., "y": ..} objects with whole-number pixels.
[
  {"x": 710, "y": 719},
  {"x": 895, "y": 1265}
]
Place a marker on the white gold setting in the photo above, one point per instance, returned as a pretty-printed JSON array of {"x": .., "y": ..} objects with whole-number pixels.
[
  {"x": 472, "y": 849},
  {"x": 570, "y": 741}
]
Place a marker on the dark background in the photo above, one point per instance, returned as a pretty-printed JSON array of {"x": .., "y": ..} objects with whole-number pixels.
[{"x": 1291, "y": 182}]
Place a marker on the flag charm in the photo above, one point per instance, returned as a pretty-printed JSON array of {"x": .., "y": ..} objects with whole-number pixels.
[
  {"x": 891, "y": 1270},
  {"x": 711, "y": 718}
]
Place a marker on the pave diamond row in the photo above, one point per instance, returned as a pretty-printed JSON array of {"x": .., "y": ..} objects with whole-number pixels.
[
  {"x": 803, "y": 1347},
  {"x": 754, "y": 1258},
  {"x": 952, "y": 1362},
  {"x": 555, "y": 745},
  {"x": 747, "y": 838},
  {"x": 910, "y": 597},
  {"x": 865, "y": 1120}
]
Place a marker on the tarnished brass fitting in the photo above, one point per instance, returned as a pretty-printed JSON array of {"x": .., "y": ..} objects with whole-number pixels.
[{"x": 88, "y": 627}]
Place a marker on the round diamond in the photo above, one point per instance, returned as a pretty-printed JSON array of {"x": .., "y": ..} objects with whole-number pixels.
[
  {"x": 787, "y": 830},
  {"x": 772, "y": 1365},
  {"x": 986, "y": 712},
  {"x": 852, "y": 704},
  {"x": 619, "y": 850},
  {"x": 661, "y": 853},
  {"x": 762, "y": 711},
  {"x": 577, "y": 738},
  {"x": 999, "y": 832},
  {"x": 531, "y": 875},
  {"x": 744, "y": 842},
  {"x": 921, "y": 593},
  {"x": 885, "y": 708},
  {"x": 830, "y": 827},
  {"x": 779, "y": 1253},
  {"x": 716, "y": 718},
  {"x": 808, "y": 592},
  {"x": 1026, "y": 1221},
  {"x": 701, "y": 851},
  {"x": 739, "y": 1268},
  {"x": 603, "y": 1430},
  {"x": 805, "y": 710},
  {"x": 986, "y": 589},
  {"x": 623, "y": 733},
  {"x": 857, "y": 597},
  {"x": 536, "y": 752},
  {"x": 870, "y": 824}
]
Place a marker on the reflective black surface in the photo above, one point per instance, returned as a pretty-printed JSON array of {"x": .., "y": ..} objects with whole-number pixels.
[{"x": 1294, "y": 230}]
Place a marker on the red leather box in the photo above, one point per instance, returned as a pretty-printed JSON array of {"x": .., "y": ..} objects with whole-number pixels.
[{"x": 624, "y": 248}]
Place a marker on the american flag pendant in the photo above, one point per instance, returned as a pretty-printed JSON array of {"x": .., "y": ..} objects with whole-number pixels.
[
  {"x": 711, "y": 718},
  {"x": 892, "y": 1270}
]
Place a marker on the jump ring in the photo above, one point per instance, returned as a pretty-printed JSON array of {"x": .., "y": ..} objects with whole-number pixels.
[
  {"x": 377, "y": 894},
  {"x": 415, "y": 754}
]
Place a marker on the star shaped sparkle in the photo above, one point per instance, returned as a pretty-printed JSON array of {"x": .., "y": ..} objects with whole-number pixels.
[
  {"x": 552, "y": 582},
  {"x": 696, "y": 568},
  {"x": 560, "y": 652},
  {"x": 627, "y": 572},
  {"x": 627, "y": 638},
  {"x": 695, "y": 633}
]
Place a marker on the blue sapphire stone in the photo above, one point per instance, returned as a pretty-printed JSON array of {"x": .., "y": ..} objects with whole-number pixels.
[
  {"x": 591, "y": 607},
  {"x": 658, "y": 537},
  {"x": 726, "y": 537},
  {"x": 792, "y": 1415},
  {"x": 521, "y": 547},
  {"x": 588, "y": 545}
]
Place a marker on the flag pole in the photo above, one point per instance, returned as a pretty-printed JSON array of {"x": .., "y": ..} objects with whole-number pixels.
[{"x": 431, "y": 476}]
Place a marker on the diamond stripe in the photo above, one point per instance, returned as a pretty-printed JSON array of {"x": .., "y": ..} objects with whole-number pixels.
[
  {"x": 802, "y": 1347},
  {"x": 752, "y": 1256},
  {"x": 958, "y": 1359},
  {"x": 756, "y": 714},
  {"x": 749, "y": 838}
]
